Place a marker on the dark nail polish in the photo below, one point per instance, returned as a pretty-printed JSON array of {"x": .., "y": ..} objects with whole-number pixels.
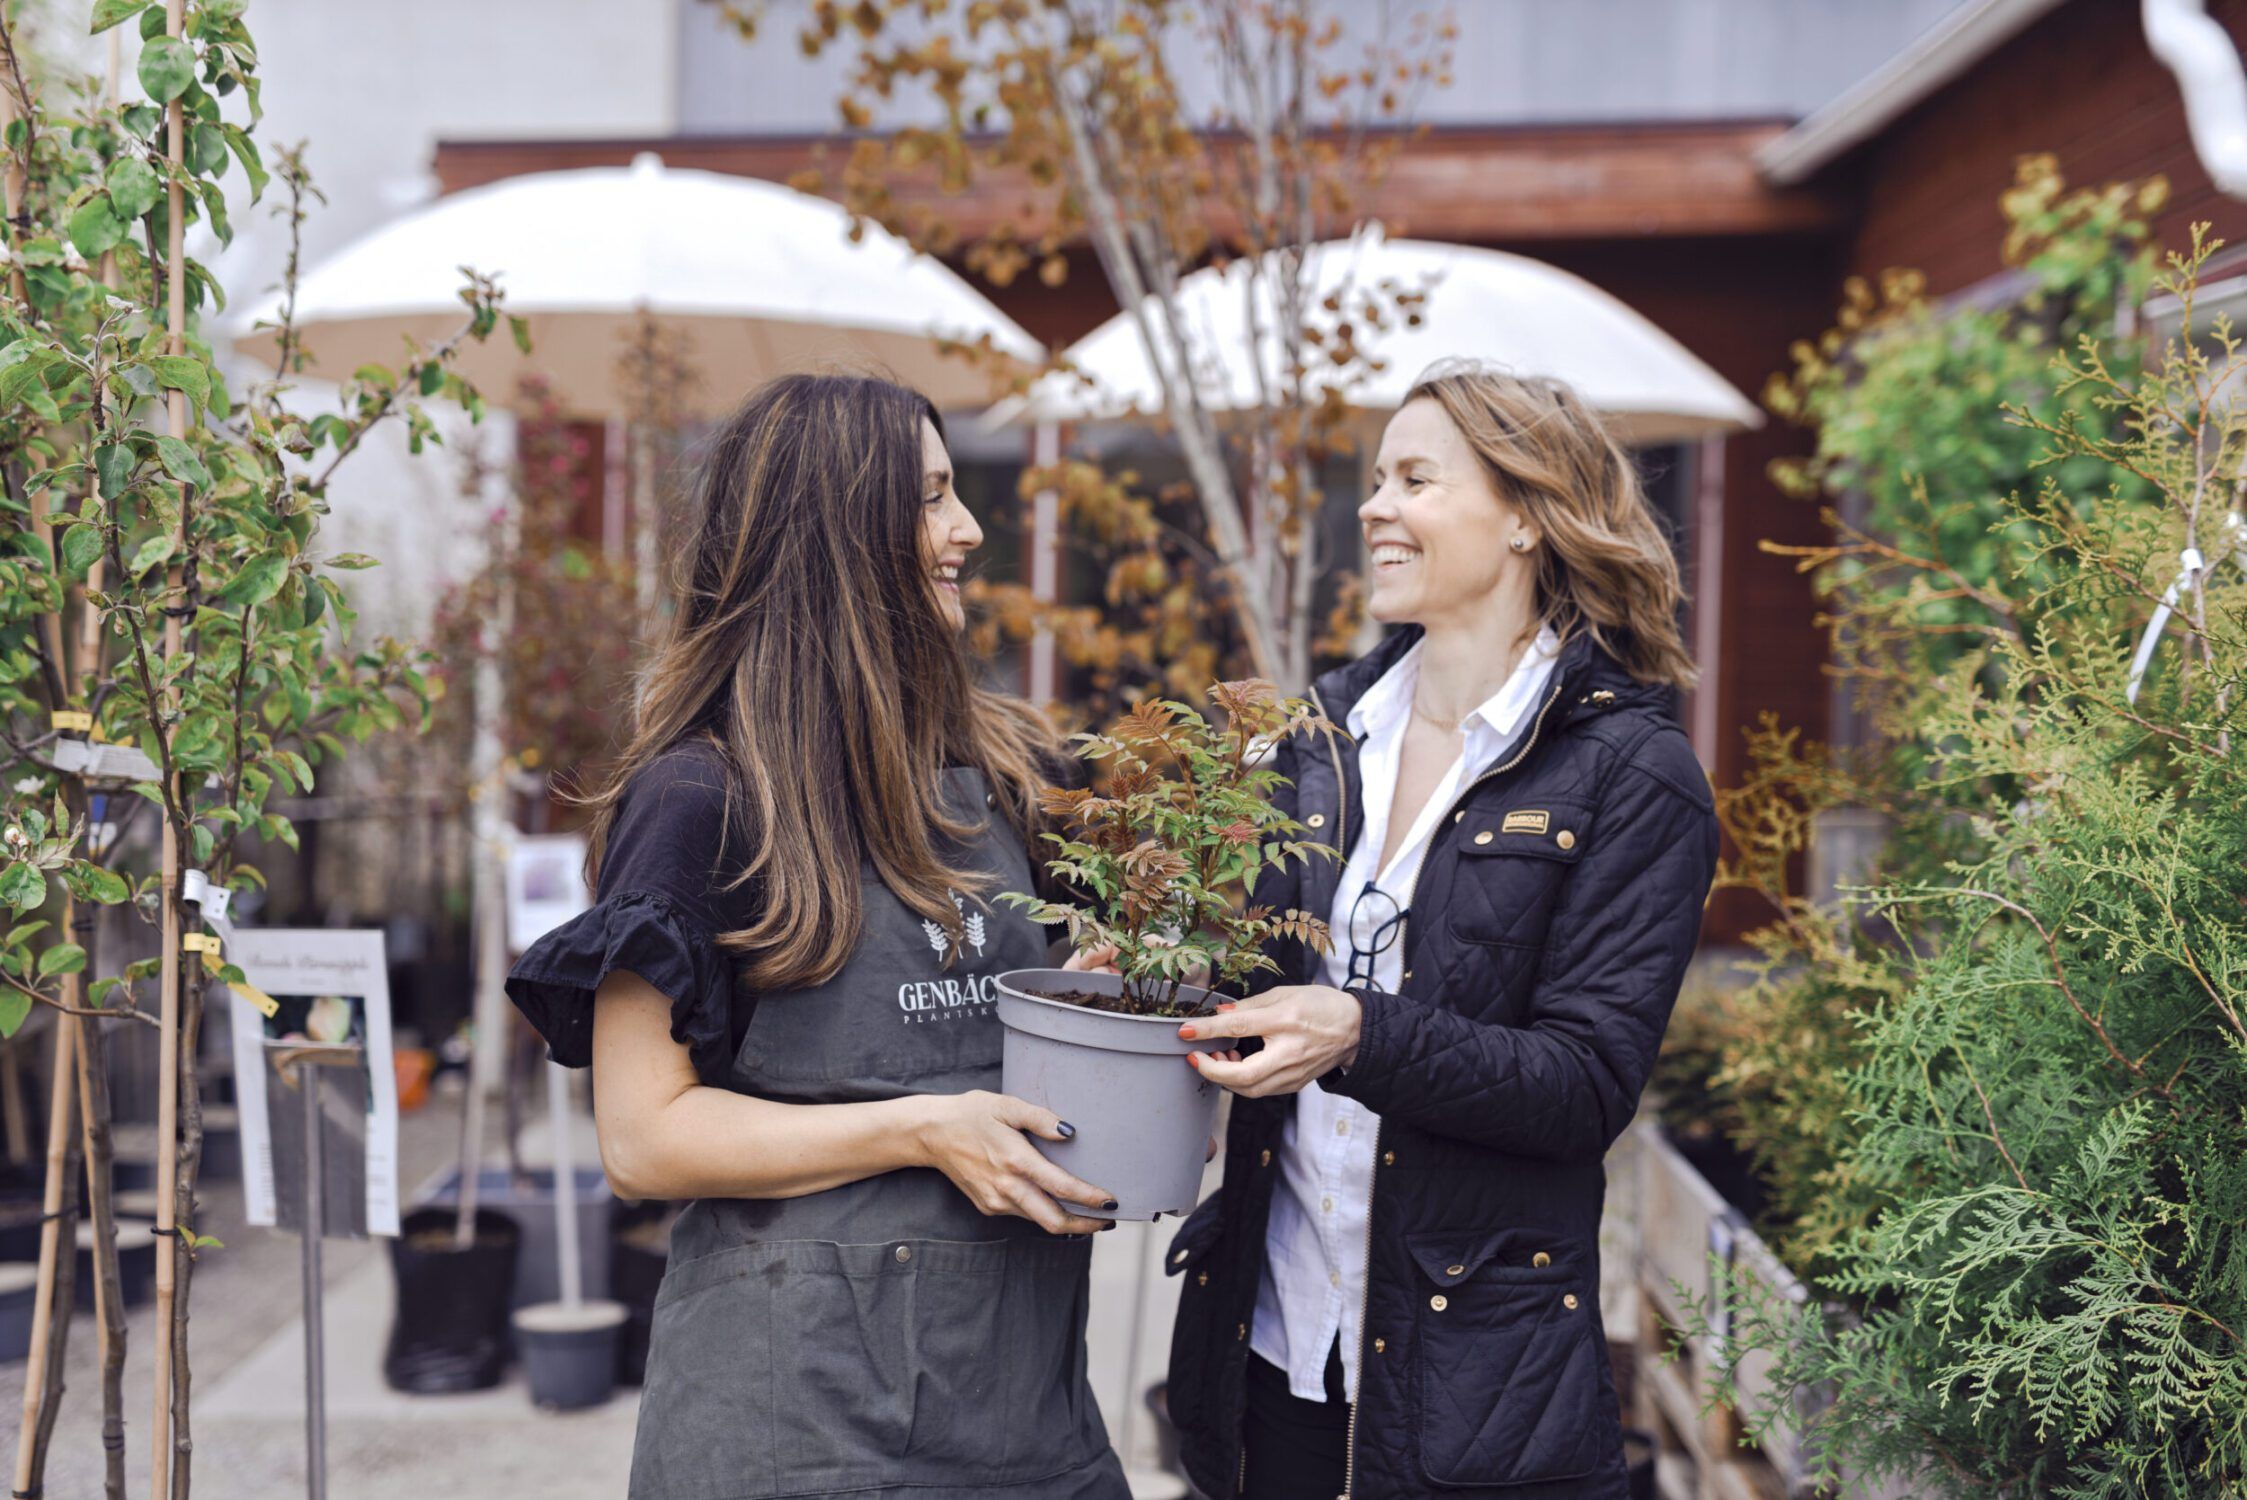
[
  {"x": 1103, "y": 1229},
  {"x": 1109, "y": 1204},
  {"x": 1068, "y": 1131}
]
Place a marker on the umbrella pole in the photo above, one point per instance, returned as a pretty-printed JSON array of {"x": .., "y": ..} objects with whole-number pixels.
[
  {"x": 567, "y": 1251},
  {"x": 1045, "y": 562},
  {"x": 167, "y": 1096}
]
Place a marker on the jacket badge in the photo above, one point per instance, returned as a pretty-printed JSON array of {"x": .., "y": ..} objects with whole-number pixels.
[{"x": 1533, "y": 820}]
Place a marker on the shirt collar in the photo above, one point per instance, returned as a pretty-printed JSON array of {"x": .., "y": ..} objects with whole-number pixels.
[{"x": 1384, "y": 706}]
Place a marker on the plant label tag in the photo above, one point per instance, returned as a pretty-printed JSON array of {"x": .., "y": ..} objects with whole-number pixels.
[{"x": 1532, "y": 820}]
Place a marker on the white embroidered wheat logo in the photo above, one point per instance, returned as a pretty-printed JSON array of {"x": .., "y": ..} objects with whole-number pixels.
[
  {"x": 937, "y": 937},
  {"x": 971, "y": 923}
]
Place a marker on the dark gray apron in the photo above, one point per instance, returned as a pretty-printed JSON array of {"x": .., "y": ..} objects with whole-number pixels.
[{"x": 884, "y": 1338}]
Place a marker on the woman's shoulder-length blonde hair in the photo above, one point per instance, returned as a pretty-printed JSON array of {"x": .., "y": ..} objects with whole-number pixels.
[{"x": 1604, "y": 567}]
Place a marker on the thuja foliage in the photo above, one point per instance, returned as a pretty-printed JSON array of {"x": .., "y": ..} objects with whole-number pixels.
[
  {"x": 1931, "y": 451},
  {"x": 2045, "y": 1106},
  {"x": 1169, "y": 849}
]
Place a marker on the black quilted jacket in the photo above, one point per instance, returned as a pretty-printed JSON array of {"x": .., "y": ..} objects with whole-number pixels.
[{"x": 1549, "y": 929}]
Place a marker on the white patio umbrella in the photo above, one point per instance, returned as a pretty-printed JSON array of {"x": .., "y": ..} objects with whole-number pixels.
[
  {"x": 761, "y": 280},
  {"x": 1509, "y": 310}
]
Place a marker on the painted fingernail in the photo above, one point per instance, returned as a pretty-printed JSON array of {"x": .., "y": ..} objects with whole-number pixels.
[
  {"x": 1108, "y": 1204},
  {"x": 1103, "y": 1229},
  {"x": 1224, "y": 1005},
  {"x": 1186, "y": 1033},
  {"x": 1196, "y": 1059},
  {"x": 1068, "y": 1131}
]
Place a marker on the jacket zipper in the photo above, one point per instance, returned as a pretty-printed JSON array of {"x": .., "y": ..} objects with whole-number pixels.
[{"x": 1404, "y": 946}]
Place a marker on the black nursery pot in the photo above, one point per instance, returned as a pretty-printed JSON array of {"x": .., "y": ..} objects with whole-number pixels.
[{"x": 451, "y": 1331}]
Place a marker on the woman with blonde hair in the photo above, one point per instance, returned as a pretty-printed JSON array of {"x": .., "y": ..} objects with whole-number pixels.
[{"x": 1396, "y": 1291}]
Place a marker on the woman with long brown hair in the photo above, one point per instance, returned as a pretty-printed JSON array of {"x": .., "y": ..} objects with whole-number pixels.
[
  {"x": 1396, "y": 1292},
  {"x": 784, "y": 991}
]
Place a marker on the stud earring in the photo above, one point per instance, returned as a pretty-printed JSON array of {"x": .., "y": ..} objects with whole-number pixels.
[{"x": 1520, "y": 543}]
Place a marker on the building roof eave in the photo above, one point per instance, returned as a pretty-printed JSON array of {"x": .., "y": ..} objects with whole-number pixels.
[{"x": 1938, "y": 55}]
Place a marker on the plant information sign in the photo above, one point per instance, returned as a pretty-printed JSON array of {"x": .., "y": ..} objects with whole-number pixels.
[{"x": 329, "y": 987}]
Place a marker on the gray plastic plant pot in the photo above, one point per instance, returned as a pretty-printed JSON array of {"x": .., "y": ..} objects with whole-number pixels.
[
  {"x": 569, "y": 1353},
  {"x": 1143, "y": 1116}
]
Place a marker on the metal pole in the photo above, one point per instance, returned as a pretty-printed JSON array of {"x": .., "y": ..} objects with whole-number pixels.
[
  {"x": 565, "y": 1186},
  {"x": 315, "y": 1354}
]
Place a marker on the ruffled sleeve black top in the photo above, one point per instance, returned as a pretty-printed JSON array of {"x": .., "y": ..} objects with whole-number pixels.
[{"x": 661, "y": 903}]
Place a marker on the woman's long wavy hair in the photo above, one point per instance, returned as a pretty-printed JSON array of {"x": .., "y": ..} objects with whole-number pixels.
[
  {"x": 1604, "y": 566},
  {"x": 809, "y": 645}
]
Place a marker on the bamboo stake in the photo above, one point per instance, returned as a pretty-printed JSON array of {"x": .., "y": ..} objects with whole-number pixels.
[
  {"x": 167, "y": 1095},
  {"x": 28, "y": 1449}
]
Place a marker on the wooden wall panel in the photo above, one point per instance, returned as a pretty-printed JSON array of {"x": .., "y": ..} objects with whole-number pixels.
[{"x": 2079, "y": 84}]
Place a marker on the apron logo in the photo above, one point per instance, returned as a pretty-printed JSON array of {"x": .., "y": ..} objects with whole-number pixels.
[
  {"x": 949, "y": 998},
  {"x": 1533, "y": 821},
  {"x": 971, "y": 929}
]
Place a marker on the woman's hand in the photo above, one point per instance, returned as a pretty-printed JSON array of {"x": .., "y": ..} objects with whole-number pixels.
[
  {"x": 1308, "y": 1030},
  {"x": 977, "y": 1140},
  {"x": 1100, "y": 960}
]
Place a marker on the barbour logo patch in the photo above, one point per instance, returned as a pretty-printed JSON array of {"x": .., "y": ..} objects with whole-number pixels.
[{"x": 1533, "y": 820}]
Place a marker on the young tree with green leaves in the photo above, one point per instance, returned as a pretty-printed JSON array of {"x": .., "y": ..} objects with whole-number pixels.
[{"x": 172, "y": 638}]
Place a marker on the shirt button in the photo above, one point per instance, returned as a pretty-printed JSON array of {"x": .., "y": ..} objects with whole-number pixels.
[
  {"x": 1326, "y": 1205},
  {"x": 904, "y": 1254},
  {"x": 1334, "y": 1278},
  {"x": 1341, "y": 1127}
]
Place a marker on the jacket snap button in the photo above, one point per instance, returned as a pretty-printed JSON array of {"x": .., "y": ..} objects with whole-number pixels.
[
  {"x": 1439, "y": 1302},
  {"x": 1454, "y": 1270},
  {"x": 1485, "y": 836},
  {"x": 1315, "y": 820},
  {"x": 1202, "y": 1279},
  {"x": 904, "y": 1254},
  {"x": 1459, "y": 816},
  {"x": 1263, "y": 1158},
  {"x": 1408, "y": 976},
  {"x": 1565, "y": 839},
  {"x": 1388, "y": 1158},
  {"x": 1569, "y": 1302},
  {"x": 1180, "y": 1258},
  {"x": 1241, "y": 1333},
  {"x": 1380, "y": 1346},
  {"x": 1540, "y": 1260}
]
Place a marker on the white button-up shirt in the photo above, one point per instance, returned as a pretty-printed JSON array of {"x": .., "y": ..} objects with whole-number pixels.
[{"x": 1313, "y": 1289}]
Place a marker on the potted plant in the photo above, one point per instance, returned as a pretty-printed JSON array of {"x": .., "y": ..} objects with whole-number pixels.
[{"x": 1166, "y": 855}]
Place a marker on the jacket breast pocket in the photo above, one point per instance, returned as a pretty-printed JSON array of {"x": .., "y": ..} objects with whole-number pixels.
[
  {"x": 1509, "y": 1385},
  {"x": 1512, "y": 863}
]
